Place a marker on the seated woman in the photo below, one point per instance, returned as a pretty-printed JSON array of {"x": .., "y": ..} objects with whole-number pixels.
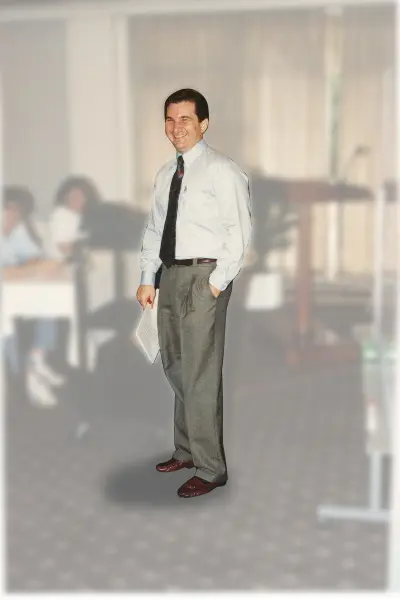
[
  {"x": 22, "y": 257},
  {"x": 76, "y": 200}
]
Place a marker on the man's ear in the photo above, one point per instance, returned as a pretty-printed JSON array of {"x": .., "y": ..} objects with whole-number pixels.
[{"x": 204, "y": 125}]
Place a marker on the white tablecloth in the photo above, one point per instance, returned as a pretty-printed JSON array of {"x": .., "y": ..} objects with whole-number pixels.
[{"x": 36, "y": 298}]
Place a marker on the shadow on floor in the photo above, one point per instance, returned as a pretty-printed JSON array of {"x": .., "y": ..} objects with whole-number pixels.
[{"x": 134, "y": 484}]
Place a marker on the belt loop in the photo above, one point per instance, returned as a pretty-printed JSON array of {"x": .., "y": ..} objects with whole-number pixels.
[{"x": 195, "y": 261}]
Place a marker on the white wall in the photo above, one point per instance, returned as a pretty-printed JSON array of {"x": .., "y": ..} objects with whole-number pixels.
[
  {"x": 98, "y": 102},
  {"x": 32, "y": 63},
  {"x": 66, "y": 105}
]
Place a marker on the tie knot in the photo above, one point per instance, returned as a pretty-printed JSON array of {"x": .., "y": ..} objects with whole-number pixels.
[{"x": 180, "y": 166}]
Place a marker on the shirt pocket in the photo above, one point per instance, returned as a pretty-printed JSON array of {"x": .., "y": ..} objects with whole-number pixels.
[{"x": 198, "y": 203}]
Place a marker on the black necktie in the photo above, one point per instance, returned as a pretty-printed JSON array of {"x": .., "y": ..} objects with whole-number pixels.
[{"x": 168, "y": 240}]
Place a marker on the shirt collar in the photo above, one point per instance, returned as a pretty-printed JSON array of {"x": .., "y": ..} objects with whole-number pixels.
[{"x": 190, "y": 156}]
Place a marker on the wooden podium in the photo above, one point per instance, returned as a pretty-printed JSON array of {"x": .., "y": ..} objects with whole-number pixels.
[
  {"x": 311, "y": 345},
  {"x": 307, "y": 343}
]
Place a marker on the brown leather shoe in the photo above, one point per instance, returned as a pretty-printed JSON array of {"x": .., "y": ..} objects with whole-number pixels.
[
  {"x": 197, "y": 487},
  {"x": 174, "y": 465}
]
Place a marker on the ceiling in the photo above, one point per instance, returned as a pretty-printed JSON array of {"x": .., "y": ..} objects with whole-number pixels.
[
  {"x": 37, "y": 9},
  {"x": 110, "y": 3}
]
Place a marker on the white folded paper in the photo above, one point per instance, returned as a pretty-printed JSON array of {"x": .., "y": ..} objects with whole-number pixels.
[{"x": 147, "y": 333}]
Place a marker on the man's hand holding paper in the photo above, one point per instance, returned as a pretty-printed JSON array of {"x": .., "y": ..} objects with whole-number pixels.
[
  {"x": 146, "y": 332},
  {"x": 146, "y": 295}
]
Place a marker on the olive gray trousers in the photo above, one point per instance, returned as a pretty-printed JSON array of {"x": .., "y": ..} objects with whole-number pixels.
[{"x": 191, "y": 329}]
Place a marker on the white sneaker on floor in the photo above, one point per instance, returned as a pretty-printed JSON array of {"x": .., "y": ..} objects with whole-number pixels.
[
  {"x": 42, "y": 368},
  {"x": 38, "y": 391}
]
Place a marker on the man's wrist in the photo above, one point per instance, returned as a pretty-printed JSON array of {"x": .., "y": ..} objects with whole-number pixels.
[
  {"x": 148, "y": 278},
  {"x": 217, "y": 282}
]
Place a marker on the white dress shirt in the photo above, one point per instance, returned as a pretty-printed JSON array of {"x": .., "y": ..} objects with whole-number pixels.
[{"x": 214, "y": 218}]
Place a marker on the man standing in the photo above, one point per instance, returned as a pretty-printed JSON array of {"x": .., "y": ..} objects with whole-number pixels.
[{"x": 198, "y": 230}]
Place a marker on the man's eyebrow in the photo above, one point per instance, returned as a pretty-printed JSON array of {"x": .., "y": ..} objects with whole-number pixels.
[{"x": 182, "y": 117}]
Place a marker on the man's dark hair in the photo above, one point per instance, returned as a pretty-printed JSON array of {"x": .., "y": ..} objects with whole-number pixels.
[{"x": 189, "y": 95}]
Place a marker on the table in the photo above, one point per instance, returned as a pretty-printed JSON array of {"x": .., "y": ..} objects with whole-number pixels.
[
  {"x": 57, "y": 297},
  {"x": 304, "y": 341},
  {"x": 306, "y": 193},
  {"x": 42, "y": 298}
]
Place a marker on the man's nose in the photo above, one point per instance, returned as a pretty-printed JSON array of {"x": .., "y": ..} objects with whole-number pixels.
[{"x": 178, "y": 127}]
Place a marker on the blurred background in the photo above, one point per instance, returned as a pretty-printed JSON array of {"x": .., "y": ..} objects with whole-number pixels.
[{"x": 303, "y": 99}]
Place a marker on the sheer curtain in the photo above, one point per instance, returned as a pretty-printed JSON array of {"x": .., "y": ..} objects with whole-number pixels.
[
  {"x": 263, "y": 76},
  {"x": 366, "y": 113},
  {"x": 287, "y": 135},
  {"x": 172, "y": 52}
]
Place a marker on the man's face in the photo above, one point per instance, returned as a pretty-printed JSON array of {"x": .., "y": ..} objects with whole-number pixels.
[
  {"x": 182, "y": 126},
  {"x": 11, "y": 217}
]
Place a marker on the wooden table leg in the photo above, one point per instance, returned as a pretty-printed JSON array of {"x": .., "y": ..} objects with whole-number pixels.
[
  {"x": 307, "y": 350},
  {"x": 311, "y": 346},
  {"x": 304, "y": 282}
]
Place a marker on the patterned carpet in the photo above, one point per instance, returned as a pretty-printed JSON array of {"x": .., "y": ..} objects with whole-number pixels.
[{"x": 87, "y": 510}]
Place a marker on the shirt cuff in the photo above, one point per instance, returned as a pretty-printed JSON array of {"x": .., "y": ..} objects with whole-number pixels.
[
  {"x": 218, "y": 280},
  {"x": 148, "y": 278}
]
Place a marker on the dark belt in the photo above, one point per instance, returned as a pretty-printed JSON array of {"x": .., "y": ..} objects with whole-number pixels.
[{"x": 189, "y": 262}]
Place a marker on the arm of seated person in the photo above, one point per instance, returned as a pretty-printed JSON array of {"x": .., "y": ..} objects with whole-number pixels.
[
  {"x": 11, "y": 272},
  {"x": 66, "y": 249},
  {"x": 32, "y": 268}
]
